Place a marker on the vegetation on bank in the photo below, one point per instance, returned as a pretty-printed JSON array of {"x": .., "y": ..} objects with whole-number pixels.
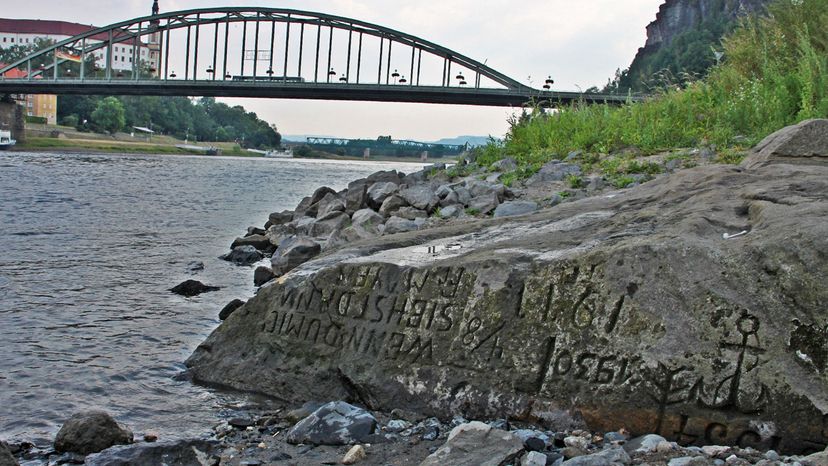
[{"x": 775, "y": 73}]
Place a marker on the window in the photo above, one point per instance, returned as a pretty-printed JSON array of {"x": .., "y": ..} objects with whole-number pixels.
[
  {"x": 4, "y": 39},
  {"x": 12, "y": 40}
]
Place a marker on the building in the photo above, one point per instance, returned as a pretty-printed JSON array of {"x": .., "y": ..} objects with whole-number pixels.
[{"x": 41, "y": 106}]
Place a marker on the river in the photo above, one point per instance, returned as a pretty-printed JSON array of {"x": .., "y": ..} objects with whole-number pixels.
[{"x": 91, "y": 244}]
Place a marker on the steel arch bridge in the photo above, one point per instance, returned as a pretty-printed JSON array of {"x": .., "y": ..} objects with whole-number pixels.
[{"x": 273, "y": 53}]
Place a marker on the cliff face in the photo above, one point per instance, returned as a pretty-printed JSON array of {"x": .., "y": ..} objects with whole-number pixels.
[{"x": 677, "y": 16}]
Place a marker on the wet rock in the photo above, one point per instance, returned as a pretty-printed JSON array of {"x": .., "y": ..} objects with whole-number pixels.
[
  {"x": 533, "y": 458},
  {"x": 330, "y": 203},
  {"x": 391, "y": 204},
  {"x": 336, "y": 423},
  {"x": 608, "y": 457},
  {"x": 279, "y": 218},
  {"x": 260, "y": 242},
  {"x": 805, "y": 143},
  {"x": 354, "y": 455},
  {"x": 399, "y": 225},
  {"x": 263, "y": 275},
  {"x": 230, "y": 308},
  {"x": 179, "y": 453},
  {"x": 515, "y": 208},
  {"x": 293, "y": 252},
  {"x": 243, "y": 256},
  {"x": 190, "y": 288},
  {"x": 421, "y": 197},
  {"x": 328, "y": 224},
  {"x": 6, "y": 457},
  {"x": 91, "y": 432},
  {"x": 379, "y": 192},
  {"x": 476, "y": 444}
]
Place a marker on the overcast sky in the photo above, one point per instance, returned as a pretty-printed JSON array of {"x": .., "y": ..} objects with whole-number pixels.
[{"x": 580, "y": 43}]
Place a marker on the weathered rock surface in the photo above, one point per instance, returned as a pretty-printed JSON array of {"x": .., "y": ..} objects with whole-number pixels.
[
  {"x": 230, "y": 308},
  {"x": 180, "y": 453},
  {"x": 190, "y": 288},
  {"x": 260, "y": 242},
  {"x": 336, "y": 423},
  {"x": 805, "y": 143},
  {"x": 644, "y": 310},
  {"x": 476, "y": 444},
  {"x": 91, "y": 432},
  {"x": 292, "y": 252},
  {"x": 263, "y": 275},
  {"x": 243, "y": 255},
  {"x": 515, "y": 208},
  {"x": 6, "y": 458}
]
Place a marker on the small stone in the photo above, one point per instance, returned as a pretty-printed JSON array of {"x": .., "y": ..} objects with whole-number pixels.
[
  {"x": 243, "y": 255},
  {"x": 91, "y": 432},
  {"x": 354, "y": 455},
  {"x": 772, "y": 455},
  {"x": 534, "y": 459},
  {"x": 241, "y": 422},
  {"x": 688, "y": 461},
  {"x": 614, "y": 438},
  {"x": 150, "y": 437},
  {"x": 576, "y": 441},
  {"x": 665, "y": 447},
  {"x": 644, "y": 444},
  {"x": 397, "y": 425},
  {"x": 534, "y": 444},
  {"x": 714, "y": 450},
  {"x": 262, "y": 445},
  {"x": 190, "y": 288},
  {"x": 431, "y": 433}
]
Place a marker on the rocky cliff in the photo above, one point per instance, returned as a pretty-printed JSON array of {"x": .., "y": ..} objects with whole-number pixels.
[
  {"x": 693, "y": 306},
  {"x": 677, "y": 16}
]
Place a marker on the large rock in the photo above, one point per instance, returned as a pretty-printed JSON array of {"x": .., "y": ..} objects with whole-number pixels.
[
  {"x": 260, "y": 242},
  {"x": 515, "y": 208},
  {"x": 356, "y": 197},
  {"x": 330, "y": 203},
  {"x": 476, "y": 444},
  {"x": 328, "y": 224},
  {"x": 485, "y": 203},
  {"x": 421, "y": 197},
  {"x": 243, "y": 255},
  {"x": 805, "y": 143},
  {"x": 378, "y": 192},
  {"x": 230, "y": 308},
  {"x": 262, "y": 275},
  {"x": 293, "y": 252},
  {"x": 336, "y": 423},
  {"x": 91, "y": 432},
  {"x": 6, "y": 457},
  {"x": 367, "y": 219},
  {"x": 190, "y": 288},
  {"x": 649, "y": 310},
  {"x": 391, "y": 204},
  {"x": 399, "y": 225},
  {"x": 279, "y": 218},
  {"x": 178, "y": 453},
  {"x": 554, "y": 171}
]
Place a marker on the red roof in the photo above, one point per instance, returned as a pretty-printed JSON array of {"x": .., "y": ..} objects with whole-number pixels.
[
  {"x": 44, "y": 27},
  {"x": 14, "y": 73}
]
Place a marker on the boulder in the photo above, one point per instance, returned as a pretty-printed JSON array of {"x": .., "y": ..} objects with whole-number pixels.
[
  {"x": 304, "y": 208},
  {"x": 644, "y": 444},
  {"x": 300, "y": 226},
  {"x": 380, "y": 191},
  {"x": 691, "y": 307},
  {"x": 263, "y": 275},
  {"x": 356, "y": 197},
  {"x": 805, "y": 143},
  {"x": 367, "y": 219},
  {"x": 6, "y": 457},
  {"x": 178, "y": 453},
  {"x": 91, "y": 432},
  {"x": 515, "y": 208},
  {"x": 411, "y": 213},
  {"x": 255, "y": 231},
  {"x": 607, "y": 457},
  {"x": 554, "y": 171},
  {"x": 476, "y": 444},
  {"x": 320, "y": 194},
  {"x": 260, "y": 242},
  {"x": 464, "y": 196},
  {"x": 329, "y": 204},
  {"x": 243, "y": 255},
  {"x": 399, "y": 225},
  {"x": 389, "y": 176},
  {"x": 443, "y": 191},
  {"x": 335, "y": 423},
  {"x": 504, "y": 165},
  {"x": 279, "y": 218},
  {"x": 391, "y": 204},
  {"x": 324, "y": 226},
  {"x": 230, "y": 308},
  {"x": 451, "y": 199},
  {"x": 190, "y": 288},
  {"x": 484, "y": 204},
  {"x": 534, "y": 458},
  {"x": 421, "y": 197},
  {"x": 293, "y": 252}
]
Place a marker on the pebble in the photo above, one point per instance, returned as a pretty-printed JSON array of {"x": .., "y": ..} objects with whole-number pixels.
[
  {"x": 355, "y": 454},
  {"x": 576, "y": 441},
  {"x": 431, "y": 433},
  {"x": 534, "y": 444},
  {"x": 534, "y": 459},
  {"x": 397, "y": 425},
  {"x": 241, "y": 423},
  {"x": 714, "y": 450},
  {"x": 150, "y": 437},
  {"x": 772, "y": 455},
  {"x": 666, "y": 447}
]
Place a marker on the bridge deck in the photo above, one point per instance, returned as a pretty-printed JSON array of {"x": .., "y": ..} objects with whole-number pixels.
[{"x": 315, "y": 91}]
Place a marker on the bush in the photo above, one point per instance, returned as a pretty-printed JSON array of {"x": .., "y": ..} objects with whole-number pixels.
[
  {"x": 36, "y": 120},
  {"x": 70, "y": 120}
]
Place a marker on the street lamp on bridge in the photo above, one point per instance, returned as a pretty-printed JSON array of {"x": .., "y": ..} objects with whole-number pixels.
[{"x": 548, "y": 84}]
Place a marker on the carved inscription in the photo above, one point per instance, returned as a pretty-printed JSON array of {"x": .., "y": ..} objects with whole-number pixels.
[{"x": 561, "y": 363}]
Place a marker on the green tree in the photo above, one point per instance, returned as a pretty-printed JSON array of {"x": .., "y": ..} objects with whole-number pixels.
[{"x": 109, "y": 115}]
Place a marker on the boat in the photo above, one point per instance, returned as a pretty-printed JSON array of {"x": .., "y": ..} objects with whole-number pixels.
[
  {"x": 6, "y": 140},
  {"x": 280, "y": 154}
]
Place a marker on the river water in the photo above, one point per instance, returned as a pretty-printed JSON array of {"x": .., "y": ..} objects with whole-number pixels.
[{"x": 89, "y": 246}]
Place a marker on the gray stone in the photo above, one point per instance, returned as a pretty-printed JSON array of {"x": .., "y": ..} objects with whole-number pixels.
[
  {"x": 452, "y": 211},
  {"x": 608, "y": 457},
  {"x": 336, "y": 423},
  {"x": 479, "y": 188},
  {"x": 323, "y": 227},
  {"x": 451, "y": 199},
  {"x": 330, "y": 203},
  {"x": 251, "y": 231},
  {"x": 644, "y": 444},
  {"x": 651, "y": 302},
  {"x": 476, "y": 444},
  {"x": 260, "y": 242},
  {"x": 494, "y": 177},
  {"x": 507, "y": 164},
  {"x": 293, "y": 252},
  {"x": 443, "y": 191},
  {"x": 6, "y": 457},
  {"x": 280, "y": 218},
  {"x": 422, "y": 197},
  {"x": 356, "y": 198},
  {"x": 320, "y": 194},
  {"x": 463, "y": 195},
  {"x": 533, "y": 458},
  {"x": 515, "y": 208},
  {"x": 391, "y": 176},
  {"x": 816, "y": 459},
  {"x": 378, "y": 192},
  {"x": 190, "y": 288},
  {"x": 689, "y": 461},
  {"x": 300, "y": 226},
  {"x": 262, "y": 275},
  {"x": 805, "y": 143},
  {"x": 411, "y": 213},
  {"x": 243, "y": 255},
  {"x": 367, "y": 219},
  {"x": 91, "y": 432},
  {"x": 178, "y": 453},
  {"x": 304, "y": 208},
  {"x": 396, "y": 225},
  {"x": 554, "y": 171},
  {"x": 485, "y": 203},
  {"x": 230, "y": 308},
  {"x": 391, "y": 205}
]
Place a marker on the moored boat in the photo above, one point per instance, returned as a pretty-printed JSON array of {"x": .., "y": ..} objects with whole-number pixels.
[{"x": 6, "y": 140}]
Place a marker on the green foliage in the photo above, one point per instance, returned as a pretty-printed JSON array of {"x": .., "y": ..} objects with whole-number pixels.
[
  {"x": 69, "y": 120},
  {"x": 305, "y": 152},
  {"x": 472, "y": 211},
  {"x": 575, "y": 181},
  {"x": 36, "y": 120},
  {"x": 109, "y": 115},
  {"x": 776, "y": 75}
]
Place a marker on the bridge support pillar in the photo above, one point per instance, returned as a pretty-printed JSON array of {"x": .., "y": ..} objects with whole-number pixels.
[{"x": 12, "y": 118}]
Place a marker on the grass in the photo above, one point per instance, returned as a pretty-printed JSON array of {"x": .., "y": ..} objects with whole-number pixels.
[
  {"x": 775, "y": 74},
  {"x": 39, "y": 143}
]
